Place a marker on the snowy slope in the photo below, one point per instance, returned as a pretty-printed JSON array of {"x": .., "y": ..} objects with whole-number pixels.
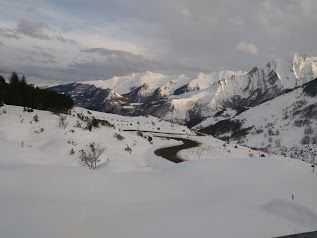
[
  {"x": 204, "y": 81},
  {"x": 229, "y": 192}
]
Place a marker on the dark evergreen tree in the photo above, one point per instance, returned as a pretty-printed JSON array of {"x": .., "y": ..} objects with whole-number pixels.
[
  {"x": 2, "y": 90},
  {"x": 19, "y": 93},
  {"x": 14, "y": 79},
  {"x": 13, "y": 93}
]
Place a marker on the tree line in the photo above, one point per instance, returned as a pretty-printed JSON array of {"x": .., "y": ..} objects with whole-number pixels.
[{"x": 17, "y": 92}]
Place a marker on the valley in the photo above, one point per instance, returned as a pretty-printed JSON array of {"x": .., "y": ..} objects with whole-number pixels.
[{"x": 158, "y": 119}]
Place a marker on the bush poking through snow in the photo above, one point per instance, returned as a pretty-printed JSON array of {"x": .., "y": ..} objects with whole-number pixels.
[
  {"x": 139, "y": 133},
  {"x": 71, "y": 152},
  {"x": 300, "y": 123},
  {"x": 305, "y": 140},
  {"x": 36, "y": 118},
  {"x": 78, "y": 124},
  {"x": 128, "y": 148},
  {"x": 308, "y": 130},
  {"x": 90, "y": 157},
  {"x": 278, "y": 142},
  {"x": 94, "y": 122},
  {"x": 118, "y": 136},
  {"x": 62, "y": 121},
  {"x": 26, "y": 109}
]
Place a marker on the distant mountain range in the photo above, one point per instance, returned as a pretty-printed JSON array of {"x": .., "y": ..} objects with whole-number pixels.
[
  {"x": 272, "y": 107},
  {"x": 189, "y": 100}
]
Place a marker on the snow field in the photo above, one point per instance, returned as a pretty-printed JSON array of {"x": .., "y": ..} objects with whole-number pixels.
[{"x": 45, "y": 193}]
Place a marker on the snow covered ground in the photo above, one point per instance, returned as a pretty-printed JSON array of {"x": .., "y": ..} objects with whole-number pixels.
[{"x": 223, "y": 191}]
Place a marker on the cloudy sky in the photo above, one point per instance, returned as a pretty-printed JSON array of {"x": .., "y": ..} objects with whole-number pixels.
[{"x": 80, "y": 39}]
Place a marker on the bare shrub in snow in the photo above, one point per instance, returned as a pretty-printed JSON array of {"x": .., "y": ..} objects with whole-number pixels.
[
  {"x": 301, "y": 123},
  {"x": 106, "y": 123},
  {"x": 139, "y": 133},
  {"x": 40, "y": 130},
  {"x": 259, "y": 131},
  {"x": 36, "y": 118},
  {"x": 89, "y": 126},
  {"x": 298, "y": 105},
  {"x": 285, "y": 116},
  {"x": 95, "y": 122},
  {"x": 90, "y": 157},
  {"x": 314, "y": 140},
  {"x": 270, "y": 124},
  {"x": 26, "y": 109},
  {"x": 305, "y": 140},
  {"x": 128, "y": 149},
  {"x": 71, "y": 152},
  {"x": 308, "y": 130},
  {"x": 71, "y": 142},
  {"x": 118, "y": 136},
  {"x": 278, "y": 142},
  {"x": 62, "y": 122},
  {"x": 310, "y": 112},
  {"x": 78, "y": 124},
  {"x": 200, "y": 150}
]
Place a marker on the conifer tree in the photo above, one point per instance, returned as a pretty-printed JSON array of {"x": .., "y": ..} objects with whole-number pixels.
[
  {"x": 2, "y": 90},
  {"x": 19, "y": 93}
]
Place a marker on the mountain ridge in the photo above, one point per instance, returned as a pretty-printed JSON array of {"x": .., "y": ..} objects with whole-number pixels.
[{"x": 183, "y": 99}]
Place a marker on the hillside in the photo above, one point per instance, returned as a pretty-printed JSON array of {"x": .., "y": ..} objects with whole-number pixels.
[
  {"x": 285, "y": 125},
  {"x": 45, "y": 192}
]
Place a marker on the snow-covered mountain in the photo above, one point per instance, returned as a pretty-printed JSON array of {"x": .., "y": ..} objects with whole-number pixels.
[
  {"x": 184, "y": 99},
  {"x": 285, "y": 125}
]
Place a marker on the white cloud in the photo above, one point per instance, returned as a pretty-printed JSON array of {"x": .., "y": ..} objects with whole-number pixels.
[{"x": 247, "y": 48}]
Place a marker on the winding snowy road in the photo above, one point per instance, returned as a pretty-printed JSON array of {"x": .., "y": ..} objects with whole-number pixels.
[{"x": 170, "y": 153}]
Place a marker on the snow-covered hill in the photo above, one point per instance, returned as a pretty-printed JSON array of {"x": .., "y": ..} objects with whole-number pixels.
[
  {"x": 45, "y": 142},
  {"x": 183, "y": 99},
  {"x": 226, "y": 190}
]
